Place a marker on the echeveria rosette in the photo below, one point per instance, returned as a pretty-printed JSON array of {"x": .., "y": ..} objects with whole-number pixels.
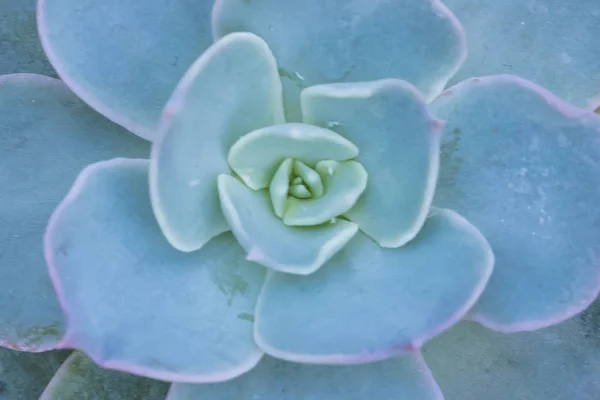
[
  {"x": 387, "y": 134},
  {"x": 473, "y": 111},
  {"x": 206, "y": 315}
]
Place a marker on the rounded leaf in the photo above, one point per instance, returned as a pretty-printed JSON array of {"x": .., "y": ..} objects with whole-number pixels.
[
  {"x": 370, "y": 303},
  {"x": 405, "y": 377},
  {"x": 419, "y": 41},
  {"x": 268, "y": 241},
  {"x": 257, "y": 155},
  {"x": 399, "y": 146},
  {"x": 524, "y": 168},
  {"x": 562, "y": 34},
  {"x": 231, "y": 90},
  {"x": 133, "y": 302},
  {"x": 47, "y": 136},
  {"x": 344, "y": 182},
  {"x": 124, "y": 58},
  {"x": 471, "y": 362}
]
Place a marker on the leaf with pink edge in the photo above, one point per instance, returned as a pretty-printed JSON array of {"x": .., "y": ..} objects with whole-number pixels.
[
  {"x": 524, "y": 167},
  {"x": 471, "y": 362},
  {"x": 124, "y": 58},
  {"x": 563, "y": 35},
  {"x": 47, "y": 135},
  {"x": 370, "y": 303},
  {"x": 181, "y": 316}
]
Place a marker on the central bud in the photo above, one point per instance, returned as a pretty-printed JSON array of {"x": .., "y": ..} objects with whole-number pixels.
[
  {"x": 305, "y": 182},
  {"x": 308, "y": 171},
  {"x": 298, "y": 180}
]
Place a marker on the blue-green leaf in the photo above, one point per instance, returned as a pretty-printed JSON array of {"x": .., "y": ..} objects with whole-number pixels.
[
  {"x": 124, "y": 58},
  {"x": 524, "y": 167},
  {"x": 231, "y": 90},
  {"x": 563, "y": 36},
  {"x": 257, "y": 155},
  {"x": 370, "y": 303},
  {"x": 317, "y": 41},
  {"x": 268, "y": 241},
  {"x": 47, "y": 135},
  {"x": 134, "y": 303},
  {"x": 399, "y": 144}
]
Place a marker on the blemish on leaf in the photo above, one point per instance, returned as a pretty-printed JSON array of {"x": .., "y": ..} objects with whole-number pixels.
[
  {"x": 9, "y": 344},
  {"x": 294, "y": 77},
  {"x": 77, "y": 366},
  {"x": 590, "y": 323},
  {"x": 35, "y": 336},
  {"x": 19, "y": 143},
  {"x": 63, "y": 250},
  {"x": 409, "y": 347},
  {"x": 230, "y": 282},
  {"x": 246, "y": 316},
  {"x": 448, "y": 158},
  {"x": 336, "y": 126}
]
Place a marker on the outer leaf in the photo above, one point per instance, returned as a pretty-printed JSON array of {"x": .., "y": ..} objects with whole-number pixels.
[
  {"x": 181, "y": 316},
  {"x": 369, "y": 303},
  {"x": 563, "y": 35},
  {"x": 231, "y": 90},
  {"x": 124, "y": 58},
  {"x": 256, "y": 156},
  {"x": 46, "y": 135},
  {"x": 471, "y": 362},
  {"x": 344, "y": 183},
  {"x": 524, "y": 167},
  {"x": 24, "y": 375},
  {"x": 399, "y": 147},
  {"x": 400, "y": 378},
  {"x": 419, "y": 41},
  {"x": 20, "y": 44},
  {"x": 80, "y": 379},
  {"x": 268, "y": 241}
]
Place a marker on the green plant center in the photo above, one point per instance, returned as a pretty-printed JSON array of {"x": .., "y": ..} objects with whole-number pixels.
[
  {"x": 305, "y": 195},
  {"x": 310, "y": 173},
  {"x": 305, "y": 182}
]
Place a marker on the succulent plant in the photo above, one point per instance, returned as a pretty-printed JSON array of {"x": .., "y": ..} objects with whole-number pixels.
[{"x": 314, "y": 208}]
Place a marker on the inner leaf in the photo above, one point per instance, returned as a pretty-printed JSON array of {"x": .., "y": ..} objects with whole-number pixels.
[
  {"x": 305, "y": 185},
  {"x": 343, "y": 183},
  {"x": 256, "y": 156}
]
